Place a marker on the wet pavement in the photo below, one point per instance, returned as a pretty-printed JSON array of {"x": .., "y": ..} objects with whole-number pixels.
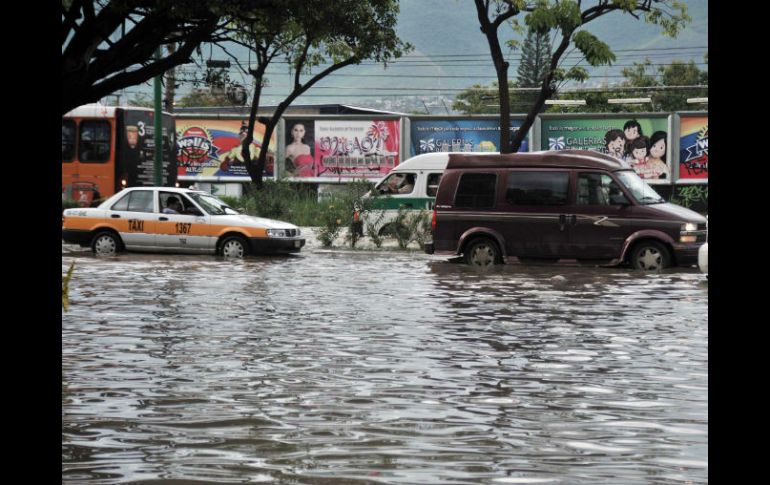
[{"x": 359, "y": 366}]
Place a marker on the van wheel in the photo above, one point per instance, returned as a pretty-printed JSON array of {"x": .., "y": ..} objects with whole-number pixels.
[
  {"x": 106, "y": 243},
  {"x": 482, "y": 253},
  {"x": 650, "y": 256},
  {"x": 234, "y": 247}
]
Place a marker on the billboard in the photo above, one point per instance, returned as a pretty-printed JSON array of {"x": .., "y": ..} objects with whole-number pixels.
[
  {"x": 212, "y": 147},
  {"x": 341, "y": 149},
  {"x": 459, "y": 135},
  {"x": 641, "y": 143},
  {"x": 694, "y": 149}
]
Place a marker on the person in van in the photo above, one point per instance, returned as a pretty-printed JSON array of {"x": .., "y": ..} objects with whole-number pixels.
[{"x": 559, "y": 205}]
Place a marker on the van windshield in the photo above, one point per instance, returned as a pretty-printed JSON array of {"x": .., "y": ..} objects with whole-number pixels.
[{"x": 642, "y": 192}]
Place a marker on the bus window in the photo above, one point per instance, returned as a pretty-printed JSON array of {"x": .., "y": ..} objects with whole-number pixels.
[
  {"x": 67, "y": 140},
  {"x": 94, "y": 141}
]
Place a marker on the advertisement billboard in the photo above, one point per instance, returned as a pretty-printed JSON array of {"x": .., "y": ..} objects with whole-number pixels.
[
  {"x": 694, "y": 149},
  {"x": 641, "y": 143},
  {"x": 212, "y": 148},
  {"x": 341, "y": 149},
  {"x": 459, "y": 135}
]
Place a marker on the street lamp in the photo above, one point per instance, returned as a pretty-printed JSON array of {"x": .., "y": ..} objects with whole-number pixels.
[
  {"x": 566, "y": 102},
  {"x": 629, "y": 100}
]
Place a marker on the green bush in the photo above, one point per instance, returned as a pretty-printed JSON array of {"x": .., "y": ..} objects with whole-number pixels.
[
  {"x": 68, "y": 204},
  {"x": 286, "y": 201}
]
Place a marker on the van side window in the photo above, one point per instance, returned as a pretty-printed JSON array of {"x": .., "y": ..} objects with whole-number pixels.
[
  {"x": 537, "y": 188},
  {"x": 433, "y": 180},
  {"x": 476, "y": 190},
  {"x": 595, "y": 189}
]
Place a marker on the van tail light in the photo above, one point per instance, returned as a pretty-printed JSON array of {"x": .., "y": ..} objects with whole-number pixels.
[
  {"x": 356, "y": 216},
  {"x": 433, "y": 221}
]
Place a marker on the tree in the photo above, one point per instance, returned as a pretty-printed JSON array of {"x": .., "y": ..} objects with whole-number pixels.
[
  {"x": 109, "y": 45},
  {"x": 565, "y": 18},
  {"x": 667, "y": 86},
  {"x": 535, "y": 57},
  {"x": 326, "y": 35}
]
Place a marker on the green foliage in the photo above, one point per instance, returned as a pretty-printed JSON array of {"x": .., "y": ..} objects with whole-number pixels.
[
  {"x": 295, "y": 203},
  {"x": 418, "y": 224},
  {"x": 486, "y": 100},
  {"x": 535, "y": 59},
  {"x": 371, "y": 229},
  {"x": 596, "y": 52},
  {"x": 311, "y": 34},
  {"x": 337, "y": 213},
  {"x": 410, "y": 226},
  {"x": 203, "y": 98},
  {"x": 332, "y": 220},
  {"x": 65, "y": 288},
  {"x": 695, "y": 197},
  {"x": 565, "y": 17},
  {"x": 69, "y": 204},
  {"x": 643, "y": 75}
]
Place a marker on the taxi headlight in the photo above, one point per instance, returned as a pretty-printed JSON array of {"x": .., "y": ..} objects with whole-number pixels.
[{"x": 280, "y": 233}]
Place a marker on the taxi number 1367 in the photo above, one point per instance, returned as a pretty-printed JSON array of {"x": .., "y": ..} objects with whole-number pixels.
[{"x": 183, "y": 227}]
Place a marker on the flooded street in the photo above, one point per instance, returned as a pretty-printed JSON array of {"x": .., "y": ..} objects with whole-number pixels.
[{"x": 353, "y": 367}]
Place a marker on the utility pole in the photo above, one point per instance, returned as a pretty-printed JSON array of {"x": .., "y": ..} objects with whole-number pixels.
[
  {"x": 158, "y": 127},
  {"x": 168, "y": 101}
]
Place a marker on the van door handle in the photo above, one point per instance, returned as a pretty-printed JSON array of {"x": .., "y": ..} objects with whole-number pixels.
[
  {"x": 562, "y": 221},
  {"x": 115, "y": 216},
  {"x": 162, "y": 218}
]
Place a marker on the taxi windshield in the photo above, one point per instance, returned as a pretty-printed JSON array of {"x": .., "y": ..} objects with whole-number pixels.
[
  {"x": 212, "y": 205},
  {"x": 642, "y": 192}
]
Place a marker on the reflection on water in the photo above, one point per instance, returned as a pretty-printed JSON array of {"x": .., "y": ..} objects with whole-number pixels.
[{"x": 379, "y": 367}]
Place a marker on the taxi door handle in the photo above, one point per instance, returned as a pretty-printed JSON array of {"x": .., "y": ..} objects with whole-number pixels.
[
  {"x": 115, "y": 216},
  {"x": 162, "y": 218}
]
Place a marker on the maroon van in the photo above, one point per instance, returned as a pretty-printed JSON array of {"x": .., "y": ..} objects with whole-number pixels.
[{"x": 568, "y": 204}]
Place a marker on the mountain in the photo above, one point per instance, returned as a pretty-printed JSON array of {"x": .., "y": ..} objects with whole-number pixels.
[{"x": 451, "y": 54}]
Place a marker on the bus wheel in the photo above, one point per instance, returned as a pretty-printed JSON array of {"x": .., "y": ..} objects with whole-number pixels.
[
  {"x": 650, "y": 256},
  {"x": 105, "y": 244},
  {"x": 482, "y": 253},
  {"x": 234, "y": 247}
]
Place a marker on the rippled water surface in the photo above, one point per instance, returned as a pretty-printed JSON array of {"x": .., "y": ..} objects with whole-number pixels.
[{"x": 381, "y": 367}]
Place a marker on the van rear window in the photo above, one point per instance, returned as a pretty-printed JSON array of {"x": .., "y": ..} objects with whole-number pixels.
[
  {"x": 537, "y": 188},
  {"x": 476, "y": 190}
]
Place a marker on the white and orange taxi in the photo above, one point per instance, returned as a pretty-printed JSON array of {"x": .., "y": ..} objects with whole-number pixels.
[{"x": 165, "y": 219}]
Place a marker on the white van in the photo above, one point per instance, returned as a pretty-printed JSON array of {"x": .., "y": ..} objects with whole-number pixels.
[{"x": 410, "y": 185}]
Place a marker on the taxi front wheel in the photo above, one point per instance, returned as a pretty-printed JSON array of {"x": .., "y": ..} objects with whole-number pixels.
[
  {"x": 105, "y": 244},
  {"x": 234, "y": 247}
]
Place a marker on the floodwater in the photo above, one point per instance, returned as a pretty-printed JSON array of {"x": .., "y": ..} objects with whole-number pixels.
[{"x": 354, "y": 367}]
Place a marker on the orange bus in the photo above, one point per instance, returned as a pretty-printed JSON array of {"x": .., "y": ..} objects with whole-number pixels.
[{"x": 107, "y": 148}]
